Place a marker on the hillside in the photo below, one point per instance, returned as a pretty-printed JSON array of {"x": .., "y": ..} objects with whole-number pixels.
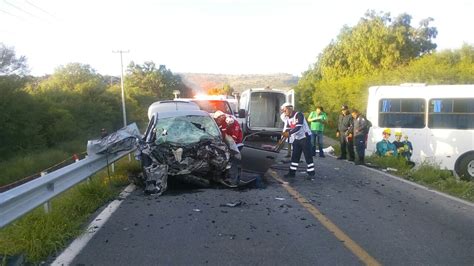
[{"x": 201, "y": 81}]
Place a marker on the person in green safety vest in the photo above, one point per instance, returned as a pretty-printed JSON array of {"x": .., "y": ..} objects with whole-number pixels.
[{"x": 317, "y": 121}]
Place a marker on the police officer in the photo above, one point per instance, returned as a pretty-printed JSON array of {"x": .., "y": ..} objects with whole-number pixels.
[
  {"x": 298, "y": 131},
  {"x": 343, "y": 126}
]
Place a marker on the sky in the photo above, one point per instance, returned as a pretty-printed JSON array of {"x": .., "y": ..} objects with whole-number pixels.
[{"x": 204, "y": 36}]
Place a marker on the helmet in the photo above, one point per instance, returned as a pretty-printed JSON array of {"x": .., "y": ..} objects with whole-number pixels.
[
  {"x": 387, "y": 131},
  {"x": 217, "y": 114},
  {"x": 344, "y": 107},
  {"x": 283, "y": 106},
  {"x": 398, "y": 133}
]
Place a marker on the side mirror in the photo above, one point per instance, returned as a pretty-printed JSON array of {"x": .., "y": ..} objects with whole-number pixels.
[{"x": 241, "y": 113}]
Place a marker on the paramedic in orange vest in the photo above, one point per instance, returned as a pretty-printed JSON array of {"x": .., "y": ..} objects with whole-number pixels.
[{"x": 298, "y": 131}]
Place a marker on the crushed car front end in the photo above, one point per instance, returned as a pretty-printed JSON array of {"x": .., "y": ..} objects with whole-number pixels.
[{"x": 185, "y": 145}]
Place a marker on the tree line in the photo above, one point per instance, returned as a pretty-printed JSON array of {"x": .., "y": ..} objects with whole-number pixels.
[
  {"x": 73, "y": 103},
  {"x": 380, "y": 50}
]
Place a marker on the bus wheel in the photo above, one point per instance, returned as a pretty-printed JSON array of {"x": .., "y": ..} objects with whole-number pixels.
[{"x": 466, "y": 167}]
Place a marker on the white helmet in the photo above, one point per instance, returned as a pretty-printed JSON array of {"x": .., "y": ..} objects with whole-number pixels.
[
  {"x": 217, "y": 114},
  {"x": 283, "y": 106}
]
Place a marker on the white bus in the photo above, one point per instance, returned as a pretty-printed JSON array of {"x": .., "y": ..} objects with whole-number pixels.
[{"x": 438, "y": 119}]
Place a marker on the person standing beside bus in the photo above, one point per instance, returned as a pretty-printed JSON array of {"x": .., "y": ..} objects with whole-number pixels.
[
  {"x": 359, "y": 131},
  {"x": 297, "y": 130},
  {"x": 343, "y": 125},
  {"x": 317, "y": 120},
  {"x": 385, "y": 147}
]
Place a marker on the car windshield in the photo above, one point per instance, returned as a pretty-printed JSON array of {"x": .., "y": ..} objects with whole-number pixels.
[
  {"x": 185, "y": 129},
  {"x": 211, "y": 106}
]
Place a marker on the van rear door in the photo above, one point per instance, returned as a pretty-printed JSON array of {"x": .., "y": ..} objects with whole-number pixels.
[
  {"x": 290, "y": 97},
  {"x": 264, "y": 111}
]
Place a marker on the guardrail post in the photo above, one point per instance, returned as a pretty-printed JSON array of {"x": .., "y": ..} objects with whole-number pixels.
[
  {"x": 88, "y": 180},
  {"x": 46, "y": 205}
]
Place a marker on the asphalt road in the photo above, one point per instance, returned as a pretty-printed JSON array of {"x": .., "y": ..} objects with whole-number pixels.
[{"x": 391, "y": 222}]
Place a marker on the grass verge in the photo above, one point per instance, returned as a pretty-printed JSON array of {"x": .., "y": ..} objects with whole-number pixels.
[
  {"x": 427, "y": 174},
  {"x": 38, "y": 235},
  {"x": 24, "y": 165}
]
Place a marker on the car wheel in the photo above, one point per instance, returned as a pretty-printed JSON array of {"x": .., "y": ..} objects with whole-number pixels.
[{"x": 466, "y": 167}]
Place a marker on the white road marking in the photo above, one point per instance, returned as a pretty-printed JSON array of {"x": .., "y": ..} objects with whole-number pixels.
[{"x": 79, "y": 243}]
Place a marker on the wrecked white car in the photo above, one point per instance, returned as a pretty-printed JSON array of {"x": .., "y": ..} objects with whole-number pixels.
[{"x": 186, "y": 145}]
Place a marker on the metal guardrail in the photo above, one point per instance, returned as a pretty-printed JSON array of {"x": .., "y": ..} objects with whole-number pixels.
[{"x": 18, "y": 201}]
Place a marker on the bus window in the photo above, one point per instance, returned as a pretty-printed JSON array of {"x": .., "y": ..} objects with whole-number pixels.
[
  {"x": 404, "y": 113},
  {"x": 451, "y": 113}
]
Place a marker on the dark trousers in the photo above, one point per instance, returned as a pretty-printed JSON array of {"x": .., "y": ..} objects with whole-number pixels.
[
  {"x": 302, "y": 146},
  {"x": 346, "y": 146},
  {"x": 360, "y": 147}
]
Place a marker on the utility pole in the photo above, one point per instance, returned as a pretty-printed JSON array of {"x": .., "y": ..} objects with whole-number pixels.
[
  {"x": 123, "y": 95},
  {"x": 121, "y": 83}
]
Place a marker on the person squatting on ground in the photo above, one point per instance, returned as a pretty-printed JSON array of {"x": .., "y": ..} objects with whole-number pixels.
[
  {"x": 385, "y": 147},
  {"x": 317, "y": 121},
  {"x": 343, "y": 125},
  {"x": 359, "y": 131},
  {"x": 232, "y": 136},
  {"x": 298, "y": 131}
]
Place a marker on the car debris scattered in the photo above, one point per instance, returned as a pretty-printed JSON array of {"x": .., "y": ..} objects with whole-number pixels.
[{"x": 232, "y": 204}]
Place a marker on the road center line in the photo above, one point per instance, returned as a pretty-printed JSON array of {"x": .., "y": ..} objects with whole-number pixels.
[{"x": 328, "y": 224}]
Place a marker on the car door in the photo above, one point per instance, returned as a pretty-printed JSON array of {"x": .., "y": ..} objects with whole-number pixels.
[{"x": 257, "y": 156}]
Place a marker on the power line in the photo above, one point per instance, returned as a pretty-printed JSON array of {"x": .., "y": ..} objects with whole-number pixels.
[
  {"x": 22, "y": 10},
  {"x": 40, "y": 9},
  {"x": 8, "y": 13}
]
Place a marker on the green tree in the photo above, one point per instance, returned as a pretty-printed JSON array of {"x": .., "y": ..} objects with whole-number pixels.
[
  {"x": 19, "y": 115},
  {"x": 362, "y": 55},
  {"x": 145, "y": 84},
  {"x": 78, "y": 104},
  {"x": 376, "y": 43},
  {"x": 11, "y": 64}
]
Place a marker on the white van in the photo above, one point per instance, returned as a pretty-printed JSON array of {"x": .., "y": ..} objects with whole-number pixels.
[
  {"x": 438, "y": 119},
  {"x": 259, "y": 109}
]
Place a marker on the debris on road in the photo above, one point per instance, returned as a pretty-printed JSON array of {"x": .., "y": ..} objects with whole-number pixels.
[
  {"x": 278, "y": 198},
  {"x": 232, "y": 204},
  {"x": 329, "y": 150}
]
